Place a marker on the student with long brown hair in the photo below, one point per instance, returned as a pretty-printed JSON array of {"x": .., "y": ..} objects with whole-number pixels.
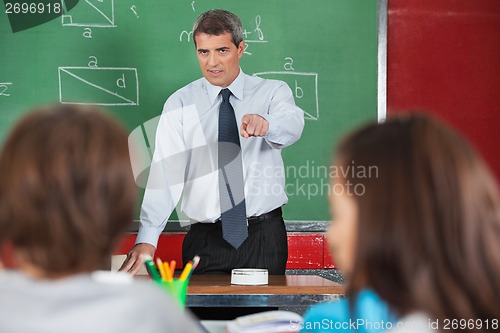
[
  {"x": 67, "y": 194},
  {"x": 416, "y": 231}
]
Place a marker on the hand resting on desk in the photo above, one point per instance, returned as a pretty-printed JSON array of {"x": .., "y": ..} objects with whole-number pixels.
[{"x": 134, "y": 259}]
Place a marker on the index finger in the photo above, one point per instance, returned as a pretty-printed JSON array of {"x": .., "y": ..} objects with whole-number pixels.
[{"x": 245, "y": 120}]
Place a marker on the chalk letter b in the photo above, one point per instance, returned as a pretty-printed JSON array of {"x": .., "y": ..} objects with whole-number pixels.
[{"x": 299, "y": 93}]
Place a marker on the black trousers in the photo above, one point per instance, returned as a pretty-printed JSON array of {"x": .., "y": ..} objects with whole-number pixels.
[{"x": 266, "y": 247}]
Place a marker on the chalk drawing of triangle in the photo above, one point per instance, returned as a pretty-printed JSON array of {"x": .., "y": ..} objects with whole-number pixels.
[
  {"x": 309, "y": 116},
  {"x": 105, "y": 8}
]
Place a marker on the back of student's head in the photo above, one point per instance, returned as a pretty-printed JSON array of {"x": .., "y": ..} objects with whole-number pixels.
[
  {"x": 428, "y": 234},
  {"x": 66, "y": 188}
]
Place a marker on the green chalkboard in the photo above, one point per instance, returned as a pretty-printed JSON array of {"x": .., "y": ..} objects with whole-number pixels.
[{"x": 128, "y": 56}]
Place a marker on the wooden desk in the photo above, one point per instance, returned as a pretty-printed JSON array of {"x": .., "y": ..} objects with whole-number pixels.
[{"x": 289, "y": 291}]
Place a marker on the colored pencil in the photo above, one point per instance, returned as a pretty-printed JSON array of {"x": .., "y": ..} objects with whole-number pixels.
[
  {"x": 151, "y": 268},
  {"x": 186, "y": 271}
]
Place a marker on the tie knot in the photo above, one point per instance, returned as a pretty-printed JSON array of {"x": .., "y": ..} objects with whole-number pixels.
[{"x": 225, "y": 94}]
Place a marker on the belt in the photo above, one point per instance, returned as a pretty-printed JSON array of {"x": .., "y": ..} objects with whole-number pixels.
[
  {"x": 251, "y": 220},
  {"x": 266, "y": 216}
]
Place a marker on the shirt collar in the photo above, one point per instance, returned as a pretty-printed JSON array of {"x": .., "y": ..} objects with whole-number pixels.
[{"x": 236, "y": 88}]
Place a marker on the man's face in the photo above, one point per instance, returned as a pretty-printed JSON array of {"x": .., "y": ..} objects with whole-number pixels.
[{"x": 219, "y": 58}]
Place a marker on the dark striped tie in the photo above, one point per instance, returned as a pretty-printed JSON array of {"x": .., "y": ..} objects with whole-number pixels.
[{"x": 231, "y": 183}]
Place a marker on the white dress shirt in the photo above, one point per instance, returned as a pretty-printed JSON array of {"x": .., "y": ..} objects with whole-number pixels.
[{"x": 185, "y": 156}]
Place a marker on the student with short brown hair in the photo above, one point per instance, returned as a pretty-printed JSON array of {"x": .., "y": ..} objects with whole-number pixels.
[
  {"x": 67, "y": 194},
  {"x": 418, "y": 237}
]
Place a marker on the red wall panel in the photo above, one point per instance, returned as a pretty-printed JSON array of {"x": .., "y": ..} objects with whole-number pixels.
[
  {"x": 444, "y": 57},
  {"x": 169, "y": 246},
  {"x": 305, "y": 250}
]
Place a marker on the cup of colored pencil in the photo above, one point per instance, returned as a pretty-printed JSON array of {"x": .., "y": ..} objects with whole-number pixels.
[{"x": 163, "y": 273}]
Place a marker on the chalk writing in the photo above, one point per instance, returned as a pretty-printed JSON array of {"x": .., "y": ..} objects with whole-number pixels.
[
  {"x": 245, "y": 51},
  {"x": 288, "y": 64},
  {"x": 135, "y": 12},
  {"x": 93, "y": 61},
  {"x": 4, "y": 86},
  {"x": 187, "y": 34},
  {"x": 247, "y": 35},
  {"x": 257, "y": 28},
  {"x": 87, "y": 33}
]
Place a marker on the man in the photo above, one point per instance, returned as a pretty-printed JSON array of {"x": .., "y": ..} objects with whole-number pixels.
[{"x": 223, "y": 179}]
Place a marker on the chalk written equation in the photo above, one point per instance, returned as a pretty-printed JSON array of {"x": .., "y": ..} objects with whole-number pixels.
[{"x": 254, "y": 35}]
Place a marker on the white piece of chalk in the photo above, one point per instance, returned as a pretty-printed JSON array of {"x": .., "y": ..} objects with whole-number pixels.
[{"x": 249, "y": 276}]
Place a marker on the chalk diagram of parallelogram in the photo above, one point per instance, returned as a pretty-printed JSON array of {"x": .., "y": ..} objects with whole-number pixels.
[
  {"x": 99, "y": 85},
  {"x": 90, "y": 13}
]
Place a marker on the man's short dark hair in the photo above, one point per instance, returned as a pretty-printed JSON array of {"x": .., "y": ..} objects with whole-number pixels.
[{"x": 217, "y": 22}]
